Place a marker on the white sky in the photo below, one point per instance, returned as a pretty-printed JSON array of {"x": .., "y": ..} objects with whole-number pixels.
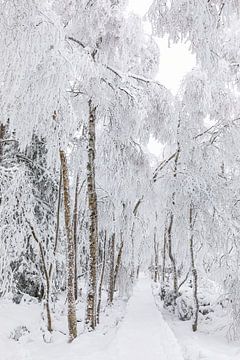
[{"x": 175, "y": 62}]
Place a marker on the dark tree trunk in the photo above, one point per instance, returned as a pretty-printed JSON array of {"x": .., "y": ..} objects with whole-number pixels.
[
  {"x": 46, "y": 277},
  {"x": 192, "y": 219},
  {"x": 75, "y": 222},
  {"x": 118, "y": 262},
  {"x": 156, "y": 249},
  {"x": 101, "y": 278},
  {"x": 171, "y": 257},
  {"x": 111, "y": 268},
  {"x": 164, "y": 255}
]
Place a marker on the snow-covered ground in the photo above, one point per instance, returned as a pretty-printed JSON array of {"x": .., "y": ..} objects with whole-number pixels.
[
  {"x": 143, "y": 334},
  {"x": 199, "y": 345}
]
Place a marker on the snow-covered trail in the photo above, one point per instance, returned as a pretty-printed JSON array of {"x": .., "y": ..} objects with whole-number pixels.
[{"x": 143, "y": 333}]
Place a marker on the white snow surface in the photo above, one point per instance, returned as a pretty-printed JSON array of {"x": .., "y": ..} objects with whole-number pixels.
[{"x": 143, "y": 334}]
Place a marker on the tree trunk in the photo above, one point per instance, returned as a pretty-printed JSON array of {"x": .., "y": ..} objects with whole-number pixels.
[
  {"x": 194, "y": 270},
  {"x": 164, "y": 255},
  {"x": 75, "y": 221},
  {"x": 132, "y": 253},
  {"x": 72, "y": 320},
  {"x": 118, "y": 262},
  {"x": 93, "y": 221},
  {"x": 163, "y": 275},
  {"x": 101, "y": 278},
  {"x": 171, "y": 218},
  {"x": 156, "y": 275},
  {"x": 2, "y": 135},
  {"x": 171, "y": 257},
  {"x": 57, "y": 223},
  {"x": 47, "y": 279},
  {"x": 111, "y": 268}
]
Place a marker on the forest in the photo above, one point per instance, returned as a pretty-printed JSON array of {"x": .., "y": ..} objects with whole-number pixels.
[{"x": 108, "y": 251}]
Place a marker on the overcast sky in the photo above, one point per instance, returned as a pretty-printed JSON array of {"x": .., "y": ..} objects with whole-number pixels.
[{"x": 175, "y": 62}]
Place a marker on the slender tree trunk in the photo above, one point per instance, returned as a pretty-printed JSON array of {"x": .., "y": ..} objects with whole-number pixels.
[
  {"x": 57, "y": 223},
  {"x": 156, "y": 275},
  {"x": 171, "y": 257},
  {"x": 163, "y": 275},
  {"x": 48, "y": 272},
  {"x": 132, "y": 253},
  {"x": 138, "y": 270},
  {"x": 47, "y": 295},
  {"x": 111, "y": 269},
  {"x": 93, "y": 221},
  {"x": 2, "y": 135},
  {"x": 194, "y": 270},
  {"x": 135, "y": 210},
  {"x": 101, "y": 278},
  {"x": 164, "y": 255},
  {"x": 47, "y": 279},
  {"x": 72, "y": 320},
  {"x": 75, "y": 221},
  {"x": 171, "y": 217},
  {"x": 118, "y": 261}
]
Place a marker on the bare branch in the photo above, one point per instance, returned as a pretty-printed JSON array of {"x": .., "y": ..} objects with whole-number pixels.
[
  {"x": 162, "y": 165},
  {"x": 77, "y": 42}
]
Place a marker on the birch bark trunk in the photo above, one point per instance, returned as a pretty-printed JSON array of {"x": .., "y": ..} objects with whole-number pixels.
[
  {"x": 171, "y": 257},
  {"x": 164, "y": 255},
  {"x": 75, "y": 222},
  {"x": 72, "y": 320},
  {"x": 171, "y": 218},
  {"x": 2, "y": 135},
  {"x": 194, "y": 270},
  {"x": 93, "y": 220}
]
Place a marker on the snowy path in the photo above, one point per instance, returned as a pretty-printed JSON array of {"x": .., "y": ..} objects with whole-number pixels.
[{"x": 143, "y": 334}]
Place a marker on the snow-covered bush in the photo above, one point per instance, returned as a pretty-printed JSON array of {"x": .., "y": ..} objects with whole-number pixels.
[{"x": 19, "y": 332}]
